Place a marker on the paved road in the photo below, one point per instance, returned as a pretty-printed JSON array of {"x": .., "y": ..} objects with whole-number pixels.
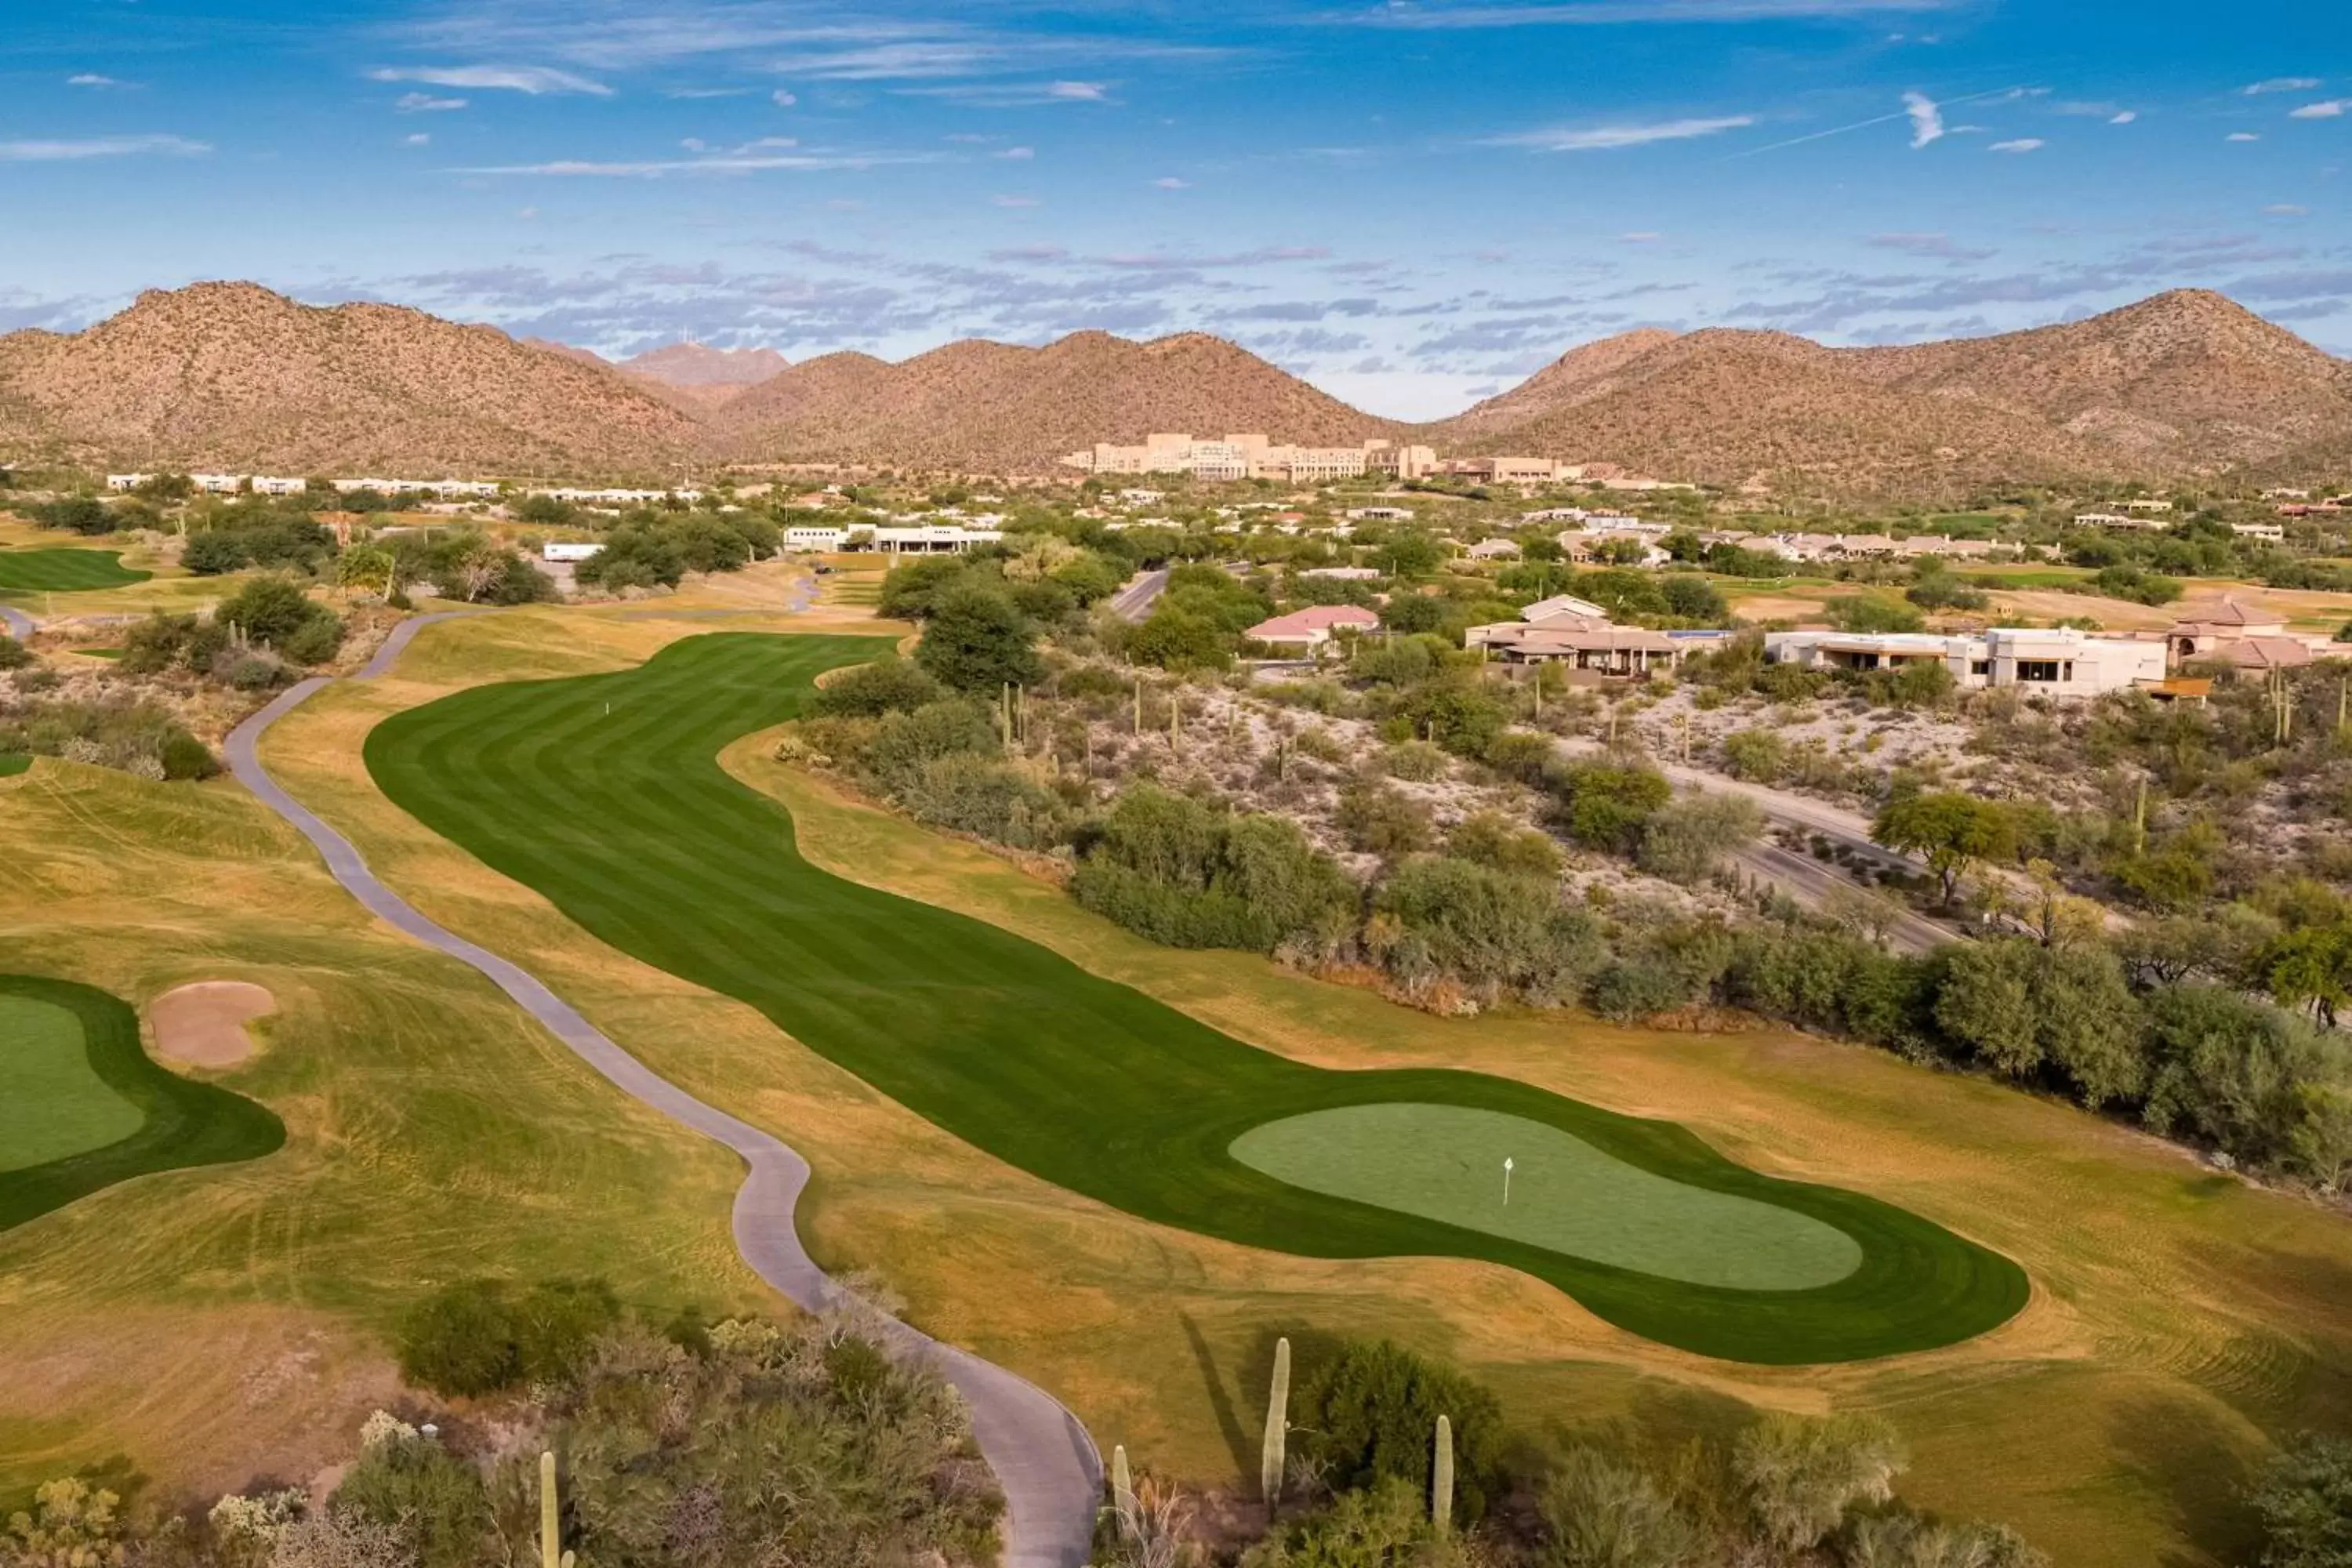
[
  {"x": 1813, "y": 882},
  {"x": 1134, "y": 602},
  {"x": 1047, "y": 1465},
  {"x": 17, "y": 622}
]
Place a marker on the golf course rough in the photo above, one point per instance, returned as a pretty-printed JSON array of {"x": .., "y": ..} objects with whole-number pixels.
[
  {"x": 606, "y": 794},
  {"x": 82, "y": 1106}
]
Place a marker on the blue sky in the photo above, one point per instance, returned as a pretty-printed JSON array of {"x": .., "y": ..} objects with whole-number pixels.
[{"x": 1411, "y": 204}]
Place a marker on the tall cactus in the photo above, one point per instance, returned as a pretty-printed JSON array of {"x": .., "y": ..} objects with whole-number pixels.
[
  {"x": 551, "y": 1537},
  {"x": 1276, "y": 1454},
  {"x": 1441, "y": 1479},
  {"x": 1122, "y": 1495}
]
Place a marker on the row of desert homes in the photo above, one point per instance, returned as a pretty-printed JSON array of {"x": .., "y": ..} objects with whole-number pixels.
[{"x": 2059, "y": 662}]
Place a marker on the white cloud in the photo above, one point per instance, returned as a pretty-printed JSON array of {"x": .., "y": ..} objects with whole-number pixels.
[
  {"x": 1603, "y": 12},
  {"x": 1078, "y": 92},
  {"x": 1016, "y": 94},
  {"x": 425, "y": 103},
  {"x": 2021, "y": 144},
  {"x": 2124, "y": 117},
  {"x": 2283, "y": 84},
  {"x": 2326, "y": 108},
  {"x": 1607, "y": 138},
  {"x": 99, "y": 147},
  {"x": 1016, "y": 154},
  {"x": 734, "y": 163},
  {"x": 2286, "y": 209},
  {"x": 418, "y": 139},
  {"x": 1641, "y": 236},
  {"x": 91, "y": 79},
  {"x": 1926, "y": 119},
  {"x": 2241, "y": 136},
  {"x": 532, "y": 80},
  {"x": 1014, "y": 200},
  {"x": 1170, "y": 183},
  {"x": 782, "y": 98}
]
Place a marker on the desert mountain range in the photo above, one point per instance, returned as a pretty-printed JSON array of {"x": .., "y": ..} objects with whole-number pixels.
[{"x": 231, "y": 374}]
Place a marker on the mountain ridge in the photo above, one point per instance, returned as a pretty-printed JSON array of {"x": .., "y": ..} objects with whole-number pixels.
[{"x": 2182, "y": 383}]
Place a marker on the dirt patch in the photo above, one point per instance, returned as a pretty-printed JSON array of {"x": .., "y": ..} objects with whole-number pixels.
[{"x": 204, "y": 1024}]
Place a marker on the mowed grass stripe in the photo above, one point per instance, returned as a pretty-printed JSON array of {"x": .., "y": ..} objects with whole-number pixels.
[
  {"x": 181, "y": 1122},
  {"x": 625, "y": 822},
  {"x": 64, "y": 571}
]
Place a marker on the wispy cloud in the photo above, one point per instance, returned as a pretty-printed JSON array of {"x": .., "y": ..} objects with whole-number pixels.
[
  {"x": 2282, "y": 84},
  {"x": 1612, "y": 13},
  {"x": 1609, "y": 138},
  {"x": 2326, "y": 108},
  {"x": 100, "y": 147},
  {"x": 532, "y": 80},
  {"x": 1013, "y": 94},
  {"x": 1926, "y": 119},
  {"x": 744, "y": 161},
  {"x": 1015, "y": 202},
  {"x": 425, "y": 103},
  {"x": 1939, "y": 246},
  {"x": 1170, "y": 183},
  {"x": 2241, "y": 136},
  {"x": 417, "y": 139},
  {"x": 2021, "y": 144},
  {"x": 2286, "y": 209},
  {"x": 1016, "y": 154},
  {"x": 2123, "y": 116},
  {"x": 92, "y": 80}
]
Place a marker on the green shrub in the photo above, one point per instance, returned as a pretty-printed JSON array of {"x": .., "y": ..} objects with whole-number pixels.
[
  {"x": 1367, "y": 1414},
  {"x": 1379, "y": 819},
  {"x": 891, "y": 685},
  {"x": 436, "y": 1501},
  {"x": 13, "y": 655},
  {"x": 475, "y": 1337},
  {"x": 185, "y": 757},
  {"x": 1490, "y": 840},
  {"x": 1606, "y": 805}
]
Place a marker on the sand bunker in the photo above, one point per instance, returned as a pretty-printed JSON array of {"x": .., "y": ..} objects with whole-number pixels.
[{"x": 204, "y": 1024}]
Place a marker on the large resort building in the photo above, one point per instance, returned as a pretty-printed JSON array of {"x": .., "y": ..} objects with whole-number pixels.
[{"x": 1255, "y": 456}]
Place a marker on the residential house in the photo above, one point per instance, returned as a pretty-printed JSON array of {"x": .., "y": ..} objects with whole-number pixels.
[
  {"x": 1309, "y": 630},
  {"x": 2059, "y": 662},
  {"x": 1494, "y": 550},
  {"x": 2208, "y": 628}
]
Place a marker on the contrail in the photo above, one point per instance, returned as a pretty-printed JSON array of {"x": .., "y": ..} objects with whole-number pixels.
[{"x": 1865, "y": 124}]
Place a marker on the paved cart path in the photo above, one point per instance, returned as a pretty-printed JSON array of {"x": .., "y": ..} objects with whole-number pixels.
[
  {"x": 1042, "y": 1458},
  {"x": 15, "y": 622}
]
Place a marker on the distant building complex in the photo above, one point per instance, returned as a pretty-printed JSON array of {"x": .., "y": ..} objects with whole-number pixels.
[{"x": 1255, "y": 456}]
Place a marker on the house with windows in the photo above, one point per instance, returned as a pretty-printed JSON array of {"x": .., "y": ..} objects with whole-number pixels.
[
  {"x": 2059, "y": 662},
  {"x": 1310, "y": 630}
]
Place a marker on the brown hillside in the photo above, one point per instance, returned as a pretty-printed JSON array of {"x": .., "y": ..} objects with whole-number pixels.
[
  {"x": 979, "y": 404},
  {"x": 2181, "y": 384},
  {"x": 1585, "y": 372},
  {"x": 230, "y": 373},
  {"x": 697, "y": 365}
]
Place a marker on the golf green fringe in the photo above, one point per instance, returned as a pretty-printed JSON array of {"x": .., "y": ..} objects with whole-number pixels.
[
  {"x": 1441, "y": 1479},
  {"x": 551, "y": 1537},
  {"x": 1276, "y": 1454},
  {"x": 1122, "y": 1494}
]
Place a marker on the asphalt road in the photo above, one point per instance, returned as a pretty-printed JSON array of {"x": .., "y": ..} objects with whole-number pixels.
[
  {"x": 1134, "y": 602},
  {"x": 19, "y": 624},
  {"x": 1042, "y": 1456}
]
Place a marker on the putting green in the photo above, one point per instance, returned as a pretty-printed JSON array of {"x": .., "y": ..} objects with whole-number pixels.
[
  {"x": 52, "y": 1101},
  {"x": 64, "y": 571},
  {"x": 604, "y": 794},
  {"x": 1445, "y": 1162},
  {"x": 70, "y": 1115},
  {"x": 14, "y": 763}
]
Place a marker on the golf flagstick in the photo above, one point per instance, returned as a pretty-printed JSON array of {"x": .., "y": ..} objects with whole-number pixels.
[{"x": 1507, "y": 1181}]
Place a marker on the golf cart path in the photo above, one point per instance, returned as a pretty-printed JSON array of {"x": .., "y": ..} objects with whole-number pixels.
[
  {"x": 1042, "y": 1456},
  {"x": 16, "y": 623}
]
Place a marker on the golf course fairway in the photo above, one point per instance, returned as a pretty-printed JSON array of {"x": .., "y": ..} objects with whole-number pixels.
[
  {"x": 82, "y": 1106},
  {"x": 65, "y": 571},
  {"x": 604, "y": 794}
]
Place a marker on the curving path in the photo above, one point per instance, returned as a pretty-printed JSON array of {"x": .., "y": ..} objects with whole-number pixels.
[
  {"x": 1042, "y": 1458},
  {"x": 15, "y": 622}
]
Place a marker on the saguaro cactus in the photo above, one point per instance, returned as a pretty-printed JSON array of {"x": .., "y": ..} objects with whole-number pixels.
[
  {"x": 551, "y": 1534},
  {"x": 1122, "y": 1494},
  {"x": 1276, "y": 1454},
  {"x": 1441, "y": 1479}
]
